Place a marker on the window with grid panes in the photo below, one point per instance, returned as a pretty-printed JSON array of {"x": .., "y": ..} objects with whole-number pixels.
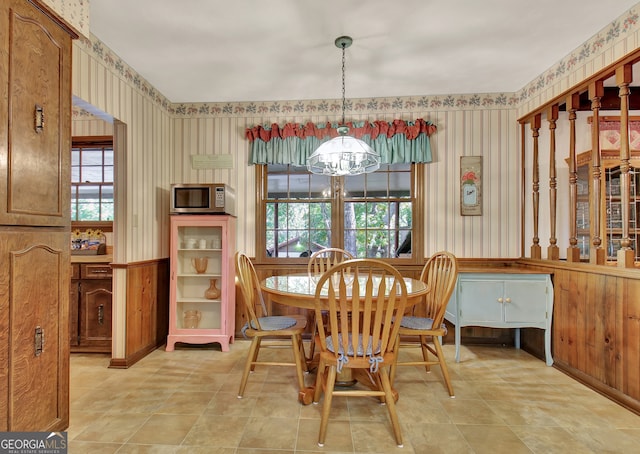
[
  {"x": 369, "y": 215},
  {"x": 92, "y": 169}
]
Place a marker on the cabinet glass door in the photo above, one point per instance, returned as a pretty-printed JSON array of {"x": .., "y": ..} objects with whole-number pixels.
[
  {"x": 613, "y": 210},
  {"x": 582, "y": 212},
  {"x": 199, "y": 278}
]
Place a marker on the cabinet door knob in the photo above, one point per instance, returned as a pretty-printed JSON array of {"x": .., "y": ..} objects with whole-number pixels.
[
  {"x": 507, "y": 300},
  {"x": 500, "y": 300}
]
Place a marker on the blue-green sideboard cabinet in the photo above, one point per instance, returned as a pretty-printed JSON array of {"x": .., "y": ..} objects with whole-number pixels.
[{"x": 516, "y": 299}]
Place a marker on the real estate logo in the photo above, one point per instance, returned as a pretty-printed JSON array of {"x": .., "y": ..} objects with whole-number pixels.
[{"x": 33, "y": 443}]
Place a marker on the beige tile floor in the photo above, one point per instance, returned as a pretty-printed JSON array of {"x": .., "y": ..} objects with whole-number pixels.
[{"x": 185, "y": 401}]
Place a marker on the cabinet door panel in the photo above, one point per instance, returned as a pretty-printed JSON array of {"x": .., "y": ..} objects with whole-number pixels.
[
  {"x": 34, "y": 298},
  {"x": 525, "y": 305},
  {"x": 479, "y": 301},
  {"x": 95, "y": 313},
  {"x": 34, "y": 162}
]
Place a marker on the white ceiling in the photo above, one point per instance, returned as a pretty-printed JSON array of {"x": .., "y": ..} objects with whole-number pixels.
[{"x": 268, "y": 50}]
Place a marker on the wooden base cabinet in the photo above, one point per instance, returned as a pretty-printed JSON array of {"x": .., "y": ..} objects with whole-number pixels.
[
  {"x": 202, "y": 295},
  {"x": 91, "y": 294},
  {"x": 503, "y": 300}
]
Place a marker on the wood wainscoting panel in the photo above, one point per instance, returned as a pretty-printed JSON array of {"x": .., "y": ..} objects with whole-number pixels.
[
  {"x": 596, "y": 329},
  {"x": 147, "y": 313},
  {"x": 629, "y": 324}
]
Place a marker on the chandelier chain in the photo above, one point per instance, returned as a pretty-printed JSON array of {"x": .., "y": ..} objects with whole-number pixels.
[
  {"x": 343, "y": 83},
  {"x": 343, "y": 155}
]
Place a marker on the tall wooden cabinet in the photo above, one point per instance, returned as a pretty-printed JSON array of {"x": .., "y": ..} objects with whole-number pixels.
[
  {"x": 610, "y": 203},
  {"x": 35, "y": 129},
  {"x": 202, "y": 295}
]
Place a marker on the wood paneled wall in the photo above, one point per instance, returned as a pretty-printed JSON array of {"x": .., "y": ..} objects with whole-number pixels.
[
  {"x": 596, "y": 328},
  {"x": 147, "y": 310}
]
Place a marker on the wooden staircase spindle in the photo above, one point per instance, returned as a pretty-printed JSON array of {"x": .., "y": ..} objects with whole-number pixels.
[
  {"x": 573, "y": 252},
  {"x": 597, "y": 253},
  {"x": 624, "y": 76},
  {"x": 553, "y": 253},
  {"x": 536, "y": 252}
]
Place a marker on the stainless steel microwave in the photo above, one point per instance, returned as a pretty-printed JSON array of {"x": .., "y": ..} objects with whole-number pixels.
[{"x": 207, "y": 198}]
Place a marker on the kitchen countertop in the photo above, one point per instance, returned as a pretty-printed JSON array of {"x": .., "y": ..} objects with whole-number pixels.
[{"x": 106, "y": 258}]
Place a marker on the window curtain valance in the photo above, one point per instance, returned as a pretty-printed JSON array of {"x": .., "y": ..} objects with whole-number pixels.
[{"x": 397, "y": 141}]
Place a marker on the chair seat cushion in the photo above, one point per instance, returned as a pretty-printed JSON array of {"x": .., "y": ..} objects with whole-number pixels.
[
  {"x": 343, "y": 358},
  {"x": 271, "y": 323},
  {"x": 360, "y": 351},
  {"x": 420, "y": 323}
]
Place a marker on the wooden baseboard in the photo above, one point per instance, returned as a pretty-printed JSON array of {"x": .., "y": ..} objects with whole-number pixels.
[
  {"x": 611, "y": 393},
  {"x": 92, "y": 349},
  {"x": 125, "y": 363}
]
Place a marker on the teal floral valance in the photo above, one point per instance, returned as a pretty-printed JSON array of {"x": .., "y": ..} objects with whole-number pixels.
[{"x": 397, "y": 141}]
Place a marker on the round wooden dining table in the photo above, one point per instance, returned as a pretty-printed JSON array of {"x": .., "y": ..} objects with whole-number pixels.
[{"x": 298, "y": 290}]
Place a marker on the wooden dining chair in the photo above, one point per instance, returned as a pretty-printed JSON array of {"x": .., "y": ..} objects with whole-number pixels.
[
  {"x": 260, "y": 326},
  {"x": 365, "y": 300},
  {"x": 426, "y": 330},
  {"x": 319, "y": 262}
]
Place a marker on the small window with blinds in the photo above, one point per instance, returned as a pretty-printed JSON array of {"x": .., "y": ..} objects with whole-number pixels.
[{"x": 92, "y": 170}]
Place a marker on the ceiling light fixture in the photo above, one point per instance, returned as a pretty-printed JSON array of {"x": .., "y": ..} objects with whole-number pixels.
[{"x": 343, "y": 155}]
